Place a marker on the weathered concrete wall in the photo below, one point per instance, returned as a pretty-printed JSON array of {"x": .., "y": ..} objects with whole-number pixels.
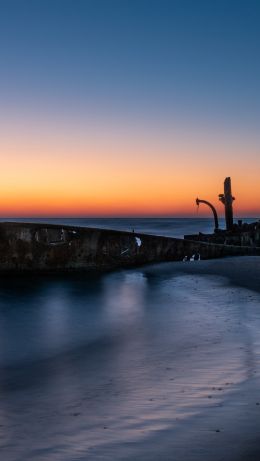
[{"x": 41, "y": 247}]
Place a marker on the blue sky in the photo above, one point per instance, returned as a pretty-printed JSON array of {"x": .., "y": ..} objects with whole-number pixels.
[
  {"x": 165, "y": 71},
  {"x": 177, "y": 57}
]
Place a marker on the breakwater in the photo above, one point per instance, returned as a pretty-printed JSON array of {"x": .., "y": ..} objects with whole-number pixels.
[{"x": 27, "y": 247}]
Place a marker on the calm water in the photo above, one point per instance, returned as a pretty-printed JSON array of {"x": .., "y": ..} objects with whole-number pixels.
[
  {"x": 97, "y": 367},
  {"x": 170, "y": 227}
]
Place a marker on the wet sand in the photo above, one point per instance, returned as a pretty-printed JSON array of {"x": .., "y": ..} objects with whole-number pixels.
[
  {"x": 156, "y": 363},
  {"x": 229, "y": 429}
]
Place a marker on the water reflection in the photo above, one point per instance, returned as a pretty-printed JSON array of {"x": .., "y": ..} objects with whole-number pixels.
[
  {"x": 89, "y": 364},
  {"x": 124, "y": 297}
]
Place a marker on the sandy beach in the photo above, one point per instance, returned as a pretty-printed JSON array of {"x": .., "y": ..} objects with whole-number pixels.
[
  {"x": 159, "y": 362},
  {"x": 229, "y": 428}
]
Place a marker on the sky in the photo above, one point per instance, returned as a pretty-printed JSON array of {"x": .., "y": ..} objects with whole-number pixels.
[{"x": 128, "y": 107}]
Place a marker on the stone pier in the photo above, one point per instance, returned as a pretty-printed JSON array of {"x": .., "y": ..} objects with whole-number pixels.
[{"x": 28, "y": 248}]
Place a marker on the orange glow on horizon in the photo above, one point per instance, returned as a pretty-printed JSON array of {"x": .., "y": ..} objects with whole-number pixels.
[
  {"x": 121, "y": 176},
  {"x": 164, "y": 201}
]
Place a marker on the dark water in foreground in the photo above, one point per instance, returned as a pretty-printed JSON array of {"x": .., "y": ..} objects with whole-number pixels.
[{"x": 128, "y": 365}]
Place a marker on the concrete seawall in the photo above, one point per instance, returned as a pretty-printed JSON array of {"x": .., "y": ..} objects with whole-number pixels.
[{"x": 54, "y": 248}]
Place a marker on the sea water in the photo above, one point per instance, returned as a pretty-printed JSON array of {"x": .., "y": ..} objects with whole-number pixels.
[
  {"x": 96, "y": 367},
  {"x": 170, "y": 227}
]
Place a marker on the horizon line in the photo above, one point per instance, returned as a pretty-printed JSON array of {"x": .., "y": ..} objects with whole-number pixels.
[{"x": 125, "y": 217}]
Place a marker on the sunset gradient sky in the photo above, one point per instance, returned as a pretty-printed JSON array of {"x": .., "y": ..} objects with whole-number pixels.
[{"x": 128, "y": 107}]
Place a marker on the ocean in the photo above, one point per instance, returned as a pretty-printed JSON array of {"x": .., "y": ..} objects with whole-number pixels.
[
  {"x": 170, "y": 227},
  {"x": 123, "y": 365}
]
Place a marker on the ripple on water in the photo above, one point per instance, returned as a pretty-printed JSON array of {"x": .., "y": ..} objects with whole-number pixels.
[{"x": 90, "y": 366}]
